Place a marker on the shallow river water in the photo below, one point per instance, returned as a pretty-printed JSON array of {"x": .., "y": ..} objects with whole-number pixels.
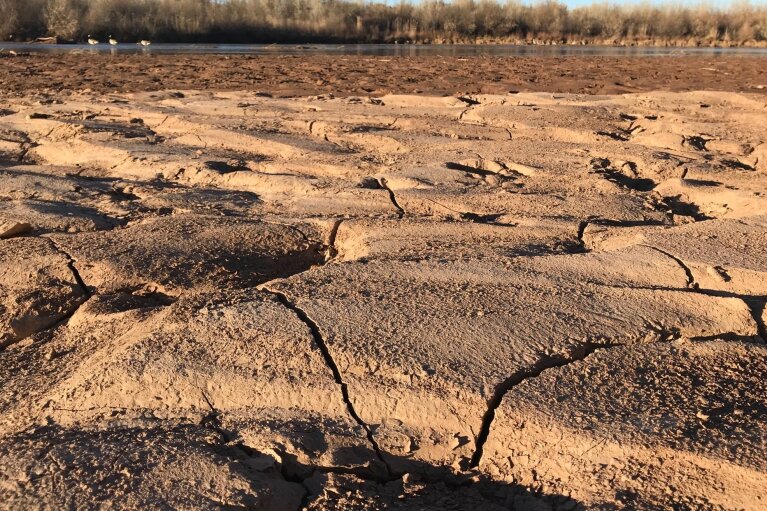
[{"x": 455, "y": 50}]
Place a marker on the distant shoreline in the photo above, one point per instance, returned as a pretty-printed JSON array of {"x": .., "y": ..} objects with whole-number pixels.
[
  {"x": 352, "y": 22},
  {"x": 649, "y": 43}
]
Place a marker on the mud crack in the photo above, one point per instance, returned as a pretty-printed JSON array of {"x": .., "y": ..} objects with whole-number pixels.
[
  {"x": 753, "y": 304},
  {"x": 212, "y": 421},
  {"x": 581, "y": 232},
  {"x": 331, "y": 251},
  {"x": 71, "y": 264},
  {"x": 62, "y": 318},
  {"x": 79, "y": 301},
  {"x": 470, "y": 102},
  {"x": 690, "y": 277},
  {"x": 519, "y": 377},
  {"x": 584, "y": 352},
  {"x": 393, "y": 198},
  {"x": 330, "y": 362}
]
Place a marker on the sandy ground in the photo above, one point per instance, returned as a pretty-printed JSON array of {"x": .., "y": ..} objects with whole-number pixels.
[{"x": 531, "y": 301}]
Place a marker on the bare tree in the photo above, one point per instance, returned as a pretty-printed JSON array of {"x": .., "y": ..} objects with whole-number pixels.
[
  {"x": 9, "y": 18},
  {"x": 361, "y": 21},
  {"x": 62, "y": 18}
]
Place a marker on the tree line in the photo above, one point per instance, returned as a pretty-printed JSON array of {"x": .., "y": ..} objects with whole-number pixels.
[{"x": 347, "y": 21}]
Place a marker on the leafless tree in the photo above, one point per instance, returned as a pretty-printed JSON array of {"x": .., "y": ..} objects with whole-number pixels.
[{"x": 362, "y": 21}]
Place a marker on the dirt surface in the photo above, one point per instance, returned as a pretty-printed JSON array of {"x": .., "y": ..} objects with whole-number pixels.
[
  {"x": 358, "y": 75},
  {"x": 528, "y": 301}
]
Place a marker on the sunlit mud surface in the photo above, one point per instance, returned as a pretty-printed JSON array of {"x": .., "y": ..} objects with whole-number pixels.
[{"x": 525, "y": 301}]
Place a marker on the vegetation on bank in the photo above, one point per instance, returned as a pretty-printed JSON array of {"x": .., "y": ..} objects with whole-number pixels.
[{"x": 435, "y": 21}]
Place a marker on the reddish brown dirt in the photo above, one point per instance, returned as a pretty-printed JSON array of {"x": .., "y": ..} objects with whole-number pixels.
[{"x": 352, "y": 75}]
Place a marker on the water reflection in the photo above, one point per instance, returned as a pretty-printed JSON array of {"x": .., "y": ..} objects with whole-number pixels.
[{"x": 393, "y": 50}]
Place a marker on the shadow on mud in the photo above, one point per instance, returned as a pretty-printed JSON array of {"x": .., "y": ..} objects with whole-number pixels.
[{"x": 166, "y": 464}]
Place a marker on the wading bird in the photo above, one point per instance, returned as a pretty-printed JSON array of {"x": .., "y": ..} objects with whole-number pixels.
[
  {"x": 92, "y": 40},
  {"x": 112, "y": 41},
  {"x": 144, "y": 42}
]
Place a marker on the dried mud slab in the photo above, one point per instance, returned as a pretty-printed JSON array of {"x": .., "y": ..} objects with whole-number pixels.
[
  {"x": 426, "y": 239},
  {"x": 668, "y": 424},
  {"x": 189, "y": 251},
  {"x": 53, "y": 199},
  {"x": 38, "y": 288},
  {"x": 722, "y": 255},
  {"x": 128, "y": 468},
  {"x": 241, "y": 360},
  {"x": 425, "y": 368},
  {"x": 516, "y": 301}
]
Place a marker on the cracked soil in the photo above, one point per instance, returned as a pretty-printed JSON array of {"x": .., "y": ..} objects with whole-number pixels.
[{"x": 531, "y": 301}]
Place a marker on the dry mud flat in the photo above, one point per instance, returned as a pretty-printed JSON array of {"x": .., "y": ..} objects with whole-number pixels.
[
  {"x": 526, "y": 301},
  {"x": 343, "y": 75}
]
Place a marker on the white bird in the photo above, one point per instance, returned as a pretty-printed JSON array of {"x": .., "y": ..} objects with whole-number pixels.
[
  {"x": 112, "y": 41},
  {"x": 144, "y": 42},
  {"x": 92, "y": 40}
]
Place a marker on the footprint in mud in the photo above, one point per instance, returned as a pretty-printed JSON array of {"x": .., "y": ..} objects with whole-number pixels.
[
  {"x": 137, "y": 297},
  {"x": 677, "y": 209},
  {"x": 696, "y": 142},
  {"x": 493, "y": 173},
  {"x": 475, "y": 168},
  {"x": 615, "y": 135},
  {"x": 604, "y": 167},
  {"x": 737, "y": 165},
  {"x": 225, "y": 167},
  {"x": 14, "y": 136},
  {"x": 369, "y": 183},
  {"x": 132, "y": 129}
]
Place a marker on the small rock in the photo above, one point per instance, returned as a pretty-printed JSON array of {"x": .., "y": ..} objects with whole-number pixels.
[{"x": 9, "y": 229}]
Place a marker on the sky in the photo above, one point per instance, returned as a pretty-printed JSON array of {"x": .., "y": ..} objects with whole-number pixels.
[
  {"x": 716, "y": 3},
  {"x": 579, "y": 3}
]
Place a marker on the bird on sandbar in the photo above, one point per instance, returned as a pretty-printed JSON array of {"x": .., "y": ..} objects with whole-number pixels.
[
  {"x": 112, "y": 41},
  {"x": 92, "y": 41}
]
